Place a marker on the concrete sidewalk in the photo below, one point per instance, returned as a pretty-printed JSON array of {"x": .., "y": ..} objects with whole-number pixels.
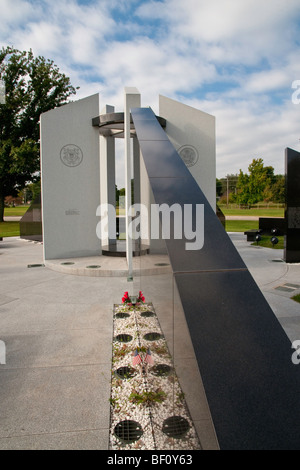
[
  {"x": 57, "y": 327},
  {"x": 277, "y": 280},
  {"x": 12, "y": 219}
]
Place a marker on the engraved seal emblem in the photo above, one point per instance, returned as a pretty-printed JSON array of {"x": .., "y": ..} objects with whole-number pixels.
[
  {"x": 189, "y": 155},
  {"x": 71, "y": 155}
]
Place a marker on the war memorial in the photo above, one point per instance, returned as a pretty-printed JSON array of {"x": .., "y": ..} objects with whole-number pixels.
[{"x": 242, "y": 369}]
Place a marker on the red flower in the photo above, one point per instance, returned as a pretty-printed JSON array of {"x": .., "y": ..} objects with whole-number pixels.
[
  {"x": 141, "y": 298},
  {"x": 126, "y": 298}
]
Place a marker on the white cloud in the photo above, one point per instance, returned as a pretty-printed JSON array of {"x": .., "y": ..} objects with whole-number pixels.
[
  {"x": 219, "y": 20},
  {"x": 267, "y": 81},
  {"x": 13, "y": 15},
  {"x": 42, "y": 37},
  {"x": 153, "y": 68},
  {"x": 232, "y": 30},
  {"x": 234, "y": 59},
  {"x": 66, "y": 30},
  {"x": 246, "y": 131}
]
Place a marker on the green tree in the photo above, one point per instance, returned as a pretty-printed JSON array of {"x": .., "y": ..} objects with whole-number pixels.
[
  {"x": 277, "y": 189},
  {"x": 226, "y": 188},
  {"x": 31, "y": 191},
  {"x": 33, "y": 85},
  {"x": 122, "y": 192},
  {"x": 219, "y": 189},
  {"x": 251, "y": 188}
]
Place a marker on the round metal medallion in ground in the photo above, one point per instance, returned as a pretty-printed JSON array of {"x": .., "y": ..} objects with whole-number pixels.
[
  {"x": 152, "y": 336},
  {"x": 175, "y": 426},
  {"x": 128, "y": 431},
  {"x": 124, "y": 338}
]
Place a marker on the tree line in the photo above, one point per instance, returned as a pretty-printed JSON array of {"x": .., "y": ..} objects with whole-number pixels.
[
  {"x": 33, "y": 85},
  {"x": 260, "y": 184}
]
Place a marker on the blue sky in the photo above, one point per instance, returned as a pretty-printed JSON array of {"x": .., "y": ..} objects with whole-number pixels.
[{"x": 235, "y": 59}]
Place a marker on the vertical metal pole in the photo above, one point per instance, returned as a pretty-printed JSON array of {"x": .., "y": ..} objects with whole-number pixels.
[
  {"x": 132, "y": 100},
  {"x": 227, "y": 190},
  {"x": 107, "y": 182},
  {"x": 2, "y": 92}
]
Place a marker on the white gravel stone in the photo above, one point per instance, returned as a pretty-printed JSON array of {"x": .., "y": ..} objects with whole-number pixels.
[{"x": 150, "y": 418}]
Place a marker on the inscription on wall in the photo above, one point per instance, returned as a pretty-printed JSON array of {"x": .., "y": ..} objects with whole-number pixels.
[{"x": 72, "y": 212}]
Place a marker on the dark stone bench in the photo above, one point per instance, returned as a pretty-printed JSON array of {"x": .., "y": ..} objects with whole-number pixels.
[
  {"x": 251, "y": 235},
  {"x": 268, "y": 224}
]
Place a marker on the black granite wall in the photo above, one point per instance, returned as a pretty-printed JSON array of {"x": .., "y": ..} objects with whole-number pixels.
[
  {"x": 31, "y": 222},
  {"x": 243, "y": 354},
  {"x": 268, "y": 224},
  {"x": 292, "y": 210}
]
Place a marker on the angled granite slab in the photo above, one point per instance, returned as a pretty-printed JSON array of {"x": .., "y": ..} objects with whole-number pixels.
[{"x": 243, "y": 353}]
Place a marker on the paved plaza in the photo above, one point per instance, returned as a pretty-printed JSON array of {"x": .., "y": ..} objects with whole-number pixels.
[{"x": 57, "y": 327}]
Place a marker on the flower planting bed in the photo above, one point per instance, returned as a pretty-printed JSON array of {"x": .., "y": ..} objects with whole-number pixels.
[{"x": 148, "y": 409}]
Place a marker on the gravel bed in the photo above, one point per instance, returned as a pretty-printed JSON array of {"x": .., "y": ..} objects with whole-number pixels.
[{"x": 148, "y": 409}]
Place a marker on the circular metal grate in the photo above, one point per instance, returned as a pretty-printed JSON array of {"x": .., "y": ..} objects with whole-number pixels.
[
  {"x": 128, "y": 431},
  {"x": 122, "y": 315},
  {"x": 93, "y": 266},
  {"x": 123, "y": 338},
  {"x": 67, "y": 263},
  {"x": 175, "y": 426},
  {"x": 35, "y": 265},
  {"x": 147, "y": 314},
  {"x": 124, "y": 372},
  {"x": 162, "y": 370},
  {"x": 161, "y": 264},
  {"x": 152, "y": 336}
]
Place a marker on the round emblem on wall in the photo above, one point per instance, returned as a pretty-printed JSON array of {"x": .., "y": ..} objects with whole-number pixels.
[
  {"x": 189, "y": 155},
  {"x": 71, "y": 155}
]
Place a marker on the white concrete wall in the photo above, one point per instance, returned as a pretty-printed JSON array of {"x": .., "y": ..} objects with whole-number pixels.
[
  {"x": 192, "y": 132},
  {"x": 157, "y": 246},
  {"x": 132, "y": 99},
  {"x": 108, "y": 181},
  {"x": 70, "y": 184}
]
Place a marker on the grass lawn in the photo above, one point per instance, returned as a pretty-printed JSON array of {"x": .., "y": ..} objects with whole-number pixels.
[
  {"x": 264, "y": 212},
  {"x": 266, "y": 242},
  {"x": 120, "y": 211},
  {"x": 240, "y": 225},
  {"x": 9, "y": 229},
  {"x": 15, "y": 211},
  {"x": 296, "y": 298}
]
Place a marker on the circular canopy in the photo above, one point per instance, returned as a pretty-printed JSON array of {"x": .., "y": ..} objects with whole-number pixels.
[{"x": 112, "y": 124}]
